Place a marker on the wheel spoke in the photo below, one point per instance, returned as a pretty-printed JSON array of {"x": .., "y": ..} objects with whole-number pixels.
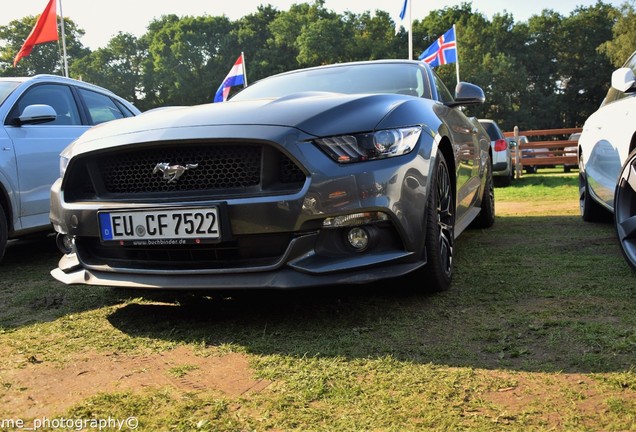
[
  {"x": 446, "y": 250},
  {"x": 627, "y": 228},
  {"x": 630, "y": 176}
]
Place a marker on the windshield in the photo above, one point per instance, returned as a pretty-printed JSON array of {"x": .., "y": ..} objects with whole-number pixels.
[
  {"x": 398, "y": 78},
  {"x": 6, "y": 87}
]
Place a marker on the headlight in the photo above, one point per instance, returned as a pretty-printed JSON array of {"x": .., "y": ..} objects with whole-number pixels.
[
  {"x": 369, "y": 146},
  {"x": 63, "y": 164}
]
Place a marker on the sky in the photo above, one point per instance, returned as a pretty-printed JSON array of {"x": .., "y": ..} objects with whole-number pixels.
[{"x": 101, "y": 20}]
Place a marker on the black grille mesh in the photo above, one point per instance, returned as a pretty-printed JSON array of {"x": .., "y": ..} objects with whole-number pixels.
[
  {"x": 245, "y": 251},
  {"x": 213, "y": 167}
]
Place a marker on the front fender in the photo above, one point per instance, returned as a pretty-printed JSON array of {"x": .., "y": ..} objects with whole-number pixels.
[{"x": 9, "y": 182}]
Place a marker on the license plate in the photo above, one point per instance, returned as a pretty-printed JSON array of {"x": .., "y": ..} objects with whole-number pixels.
[{"x": 161, "y": 226}]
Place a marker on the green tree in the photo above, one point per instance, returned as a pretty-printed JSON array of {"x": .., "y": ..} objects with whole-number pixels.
[
  {"x": 584, "y": 72},
  {"x": 540, "y": 41},
  {"x": 187, "y": 59},
  {"x": 46, "y": 57},
  {"x": 373, "y": 37},
  {"x": 623, "y": 43},
  {"x": 117, "y": 67},
  {"x": 256, "y": 41},
  {"x": 329, "y": 30},
  {"x": 311, "y": 34}
]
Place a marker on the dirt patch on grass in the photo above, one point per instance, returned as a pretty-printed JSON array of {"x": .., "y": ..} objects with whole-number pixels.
[
  {"x": 545, "y": 393},
  {"x": 529, "y": 208},
  {"x": 42, "y": 389}
]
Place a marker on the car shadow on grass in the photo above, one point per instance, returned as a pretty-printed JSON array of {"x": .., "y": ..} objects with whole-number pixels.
[
  {"x": 560, "y": 299},
  {"x": 533, "y": 293}
]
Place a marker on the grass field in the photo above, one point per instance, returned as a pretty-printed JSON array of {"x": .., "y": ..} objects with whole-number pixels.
[{"x": 538, "y": 332}]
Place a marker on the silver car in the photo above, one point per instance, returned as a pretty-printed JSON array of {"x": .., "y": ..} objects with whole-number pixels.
[
  {"x": 41, "y": 115},
  {"x": 502, "y": 165},
  {"x": 340, "y": 174}
]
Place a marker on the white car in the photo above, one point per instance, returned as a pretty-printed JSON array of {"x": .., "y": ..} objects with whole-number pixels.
[
  {"x": 607, "y": 160},
  {"x": 502, "y": 166}
]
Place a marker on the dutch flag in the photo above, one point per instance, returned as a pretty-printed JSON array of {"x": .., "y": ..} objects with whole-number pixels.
[{"x": 235, "y": 77}]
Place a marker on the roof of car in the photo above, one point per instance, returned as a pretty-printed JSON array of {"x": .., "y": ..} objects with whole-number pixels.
[{"x": 56, "y": 78}]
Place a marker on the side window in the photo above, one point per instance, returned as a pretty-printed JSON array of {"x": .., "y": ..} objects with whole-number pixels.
[
  {"x": 57, "y": 96},
  {"x": 442, "y": 92},
  {"x": 101, "y": 108},
  {"x": 631, "y": 63},
  {"x": 612, "y": 95}
]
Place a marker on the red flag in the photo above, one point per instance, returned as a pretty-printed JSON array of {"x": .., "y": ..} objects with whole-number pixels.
[{"x": 45, "y": 30}]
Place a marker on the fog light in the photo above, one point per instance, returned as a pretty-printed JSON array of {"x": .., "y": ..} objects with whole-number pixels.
[
  {"x": 65, "y": 243},
  {"x": 358, "y": 238}
]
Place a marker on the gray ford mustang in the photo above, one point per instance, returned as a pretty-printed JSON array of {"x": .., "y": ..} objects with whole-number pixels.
[{"x": 339, "y": 174}]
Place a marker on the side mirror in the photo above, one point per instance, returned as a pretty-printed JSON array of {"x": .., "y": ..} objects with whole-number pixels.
[
  {"x": 468, "y": 94},
  {"x": 623, "y": 79},
  {"x": 36, "y": 114}
]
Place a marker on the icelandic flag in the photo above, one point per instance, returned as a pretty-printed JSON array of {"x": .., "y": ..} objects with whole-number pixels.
[
  {"x": 235, "y": 77},
  {"x": 442, "y": 51}
]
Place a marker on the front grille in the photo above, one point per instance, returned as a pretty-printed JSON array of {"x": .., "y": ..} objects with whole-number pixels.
[
  {"x": 246, "y": 251},
  {"x": 207, "y": 170},
  {"x": 213, "y": 167}
]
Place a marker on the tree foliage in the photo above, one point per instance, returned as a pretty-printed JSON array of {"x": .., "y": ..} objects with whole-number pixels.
[
  {"x": 623, "y": 42},
  {"x": 549, "y": 71},
  {"x": 46, "y": 57}
]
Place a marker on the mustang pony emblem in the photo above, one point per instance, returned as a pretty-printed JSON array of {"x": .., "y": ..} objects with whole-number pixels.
[{"x": 172, "y": 173}]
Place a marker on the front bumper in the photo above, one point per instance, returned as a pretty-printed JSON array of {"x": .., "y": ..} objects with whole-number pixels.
[{"x": 283, "y": 278}]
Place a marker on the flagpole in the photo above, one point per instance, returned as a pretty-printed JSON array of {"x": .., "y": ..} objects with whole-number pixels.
[
  {"x": 456, "y": 53},
  {"x": 410, "y": 30},
  {"x": 63, "y": 40},
  {"x": 244, "y": 70}
]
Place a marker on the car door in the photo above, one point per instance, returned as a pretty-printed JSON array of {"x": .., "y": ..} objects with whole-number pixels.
[{"x": 37, "y": 148}]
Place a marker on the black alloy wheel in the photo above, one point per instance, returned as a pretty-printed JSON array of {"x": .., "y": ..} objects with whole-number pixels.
[
  {"x": 440, "y": 231},
  {"x": 625, "y": 210}
]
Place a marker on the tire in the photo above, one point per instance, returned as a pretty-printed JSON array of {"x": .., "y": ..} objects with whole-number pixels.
[
  {"x": 4, "y": 232},
  {"x": 507, "y": 180},
  {"x": 625, "y": 210},
  {"x": 591, "y": 211},
  {"x": 512, "y": 171},
  {"x": 440, "y": 229},
  {"x": 531, "y": 170},
  {"x": 486, "y": 217}
]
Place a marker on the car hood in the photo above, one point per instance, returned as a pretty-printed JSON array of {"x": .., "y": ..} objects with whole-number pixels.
[{"x": 317, "y": 114}]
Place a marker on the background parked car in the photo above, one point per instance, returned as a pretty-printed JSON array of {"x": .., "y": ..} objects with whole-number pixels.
[
  {"x": 607, "y": 160},
  {"x": 526, "y": 153},
  {"x": 571, "y": 151},
  {"x": 502, "y": 165},
  {"x": 41, "y": 115}
]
